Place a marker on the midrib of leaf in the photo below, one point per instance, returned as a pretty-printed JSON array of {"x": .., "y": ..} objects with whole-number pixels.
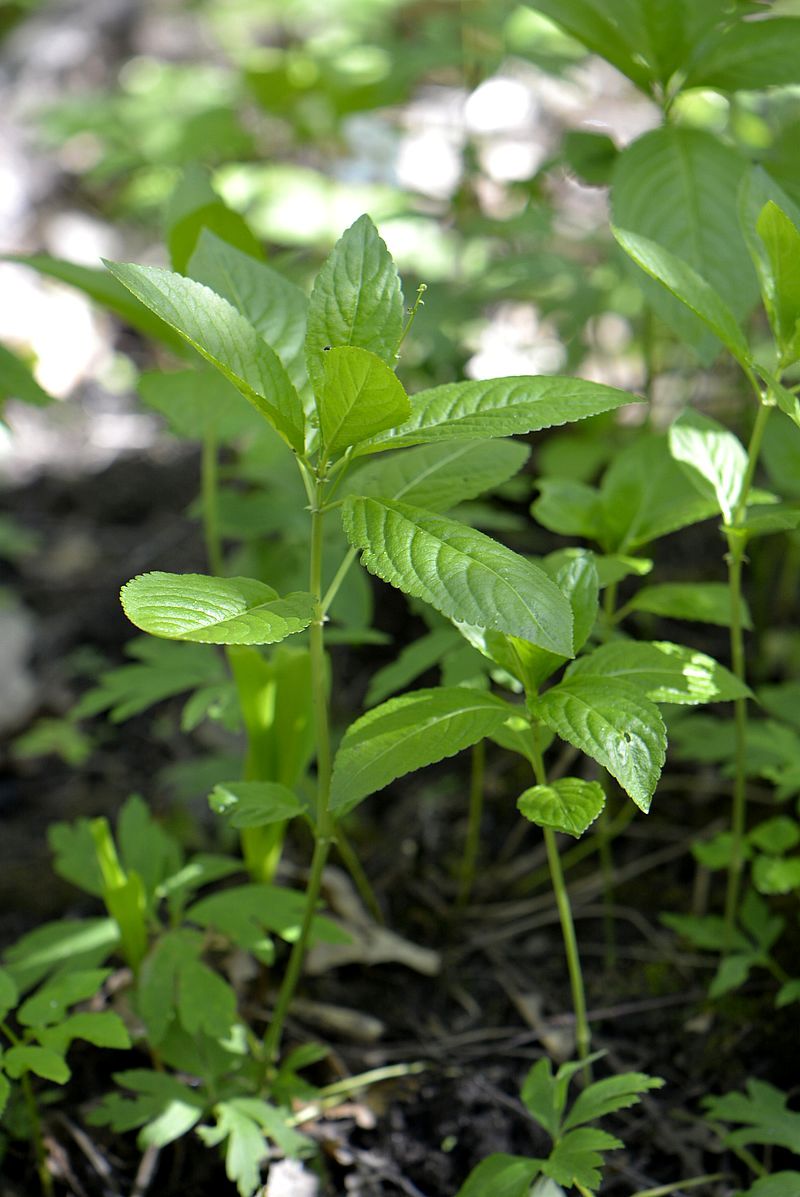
[
  {"x": 429, "y": 725},
  {"x": 458, "y": 451}
]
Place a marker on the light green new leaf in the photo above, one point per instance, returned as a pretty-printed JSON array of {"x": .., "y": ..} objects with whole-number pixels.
[
  {"x": 687, "y": 285},
  {"x": 501, "y": 1175},
  {"x": 712, "y": 457},
  {"x": 214, "y": 610},
  {"x": 357, "y": 397},
  {"x": 782, "y": 240},
  {"x": 223, "y": 337},
  {"x": 244, "y": 1123},
  {"x": 441, "y": 475},
  {"x": 665, "y": 672},
  {"x": 497, "y": 407},
  {"x": 750, "y": 55},
  {"x": 577, "y": 1158},
  {"x": 704, "y": 602},
  {"x": 407, "y": 733},
  {"x": 462, "y": 573},
  {"x": 254, "y": 803},
  {"x": 273, "y": 305},
  {"x": 569, "y": 805},
  {"x": 677, "y": 186},
  {"x": 610, "y": 1094},
  {"x": 613, "y": 723},
  {"x": 356, "y": 300}
]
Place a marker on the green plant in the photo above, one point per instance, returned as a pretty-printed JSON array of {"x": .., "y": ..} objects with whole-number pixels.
[{"x": 765, "y": 1120}]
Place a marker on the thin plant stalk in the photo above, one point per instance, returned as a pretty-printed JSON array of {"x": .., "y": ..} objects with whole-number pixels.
[
  {"x": 582, "y": 1030},
  {"x": 735, "y": 558},
  {"x": 325, "y": 830},
  {"x": 469, "y": 859},
  {"x": 31, "y": 1106}
]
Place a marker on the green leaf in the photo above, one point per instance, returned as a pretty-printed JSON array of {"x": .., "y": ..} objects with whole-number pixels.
[
  {"x": 502, "y": 1176},
  {"x": 407, "y": 733},
  {"x": 242, "y": 1124},
  {"x": 570, "y": 805},
  {"x": 194, "y": 208},
  {"x": 273, "y": 305},
  {"x": 5, "y": 1092},
  {"x": 677, "y": 186},
  {"x": 460, "y": 572},
  {"x": 165, "y": 1107},
  {"x": 776, "y": 874},
  {"x": 750, "y": 55},
  {"x": 198, "y": 403},
  {"x": 50, "y": 1004},
  {"x": 569, "y": 508},
  {"x": 789, "y": 992},
  {"x": 212, "y": 610},
  {"x": 597, "y": 25},
  {"x": 42, "y": 1061},
  {"x": 206, "y": 1003},
  {"x": 606, "y": 1096},
  {"x": 439, "y": 476},
  {"x": 102, "y": 1028},
  {"x": 254, "y": 803},
  {"x": 543, "y": 1096},
  {"x": 358, "y": 396},
  {"x": 497, "y": 407},
  {"x": 703, "y": 602},
  {"x": 777, "y": 835},
  {"x": 764, "y": 1113},
  {"x": 613, "y": 723},
  {"x": 75, "y": 942},
  {"x": 612, "y": 567},
  {"x": 645, "y": 496},
  {"x": 225, "y": 339},
  {"x": 779, "y": 1184},
  {"x": 244, "y": 912},
  {"x": 9, "y": 993},
  {"x": 577, "y": 1158},
  {"x": 575, "y": 574},
  {"x": 782, "y": 240},
  {"x": 682, "y": 281},
  {"x": 665, "y": 672},
  {"x": 712, "y": 457},
  {"x": 156, "y": 992},
  {"x": 17, "y": 381},
  {"x": 356, "y": 300}
]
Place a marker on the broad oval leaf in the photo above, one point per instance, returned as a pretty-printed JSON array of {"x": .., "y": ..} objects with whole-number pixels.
[
  {"x": 440, "y": 476},
  {"x": 467, "y": 576},
  {"x": 569, "y": 805},
  {"x": 497, "y": 407},
  {"x": 356, "y": 300},
  {"x": 223, "y": 337},
  {"x": 502, "y": 1176},
  {"x": 407, "y": 733},
  {"x": 613, "y": 723},
  {"x": 254, "y": 803},
  {"x": 687, "y": 286},
  {"x": 713, "y": 458},
  {"x": 273, "y": 305},
  {"x": 214, "y": 610},
  {"x": 678, "y": 187},
  {"x": 358, "y": 397},
  {"x": 750, "y": 55},
  {"x": 665, "y": 672},
  {"x": 704, "y": 602}
]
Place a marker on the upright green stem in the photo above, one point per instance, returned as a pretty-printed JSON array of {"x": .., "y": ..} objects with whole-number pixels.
[
  {"x": 469, "y": 858},
  {"x": 582, "y": 1031},
  {"x": 210, "y": 490},
  {"x": 736, "y": 546},
  {"x": 325, "y": 827}
]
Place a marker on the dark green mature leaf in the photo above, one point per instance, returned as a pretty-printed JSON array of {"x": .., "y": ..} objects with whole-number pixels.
[
  {"x": 9, "y": 994},
  {"x": 596, "y": 24},
  {"x": 407, "y": 733},
  {"x": 569, "y": 508},
  {"x": 575, "y": 573},
  {"x": 244, "y": 912},
  {"x": 610, "y": 1094},
  {"x": 441, "y": 475},
  {"x": 678, "y": 187},
  {"x": 17, "y": 381},
  {"x": 109, "y": 293},
  {"x": 103, "y": 1028},
  {"x": 214, "y": 610},
  {"x": 750, "y": 55},
  {"x": 763, "y": 1112},
  {"x": 613, "y": 723},
  {"x": 199, "y": 403},
  {"x": 570, "y": 805},
  {"x": 704, "y": 602},
  {"x": 356, "y": 300},
  {"x": 50, "y": 1003},
  {"x": 206, "y": 1003},
  {"x": 223, "y": 337},
  {"x": 358, "y": 396},
  {"x": 273, "y": 305},
  {"x": 577, "y": 1158},
  {"x": 254, "y": 803},
  {"x": 497, "y": 407},
  {"x": 42, "y": 1061},
  {"x": 416, "y": 658},
  {"x": 687, "y": 286},
  {"x": 712, "y": 457},
  {"x": 665, "y": 672},
  {"x": 193, "y": 210},
  {"x": 462, "y": 573},
  {"x": 76, "y": 943},
  {"x": 165, "y": 1107},
  {"x": 159, "y": 670},
  {"x": 5, "y": 1092},
  {"x": 781, "y": 238},
  {"x": 779, "y": 1184},
  {"x": 502, "y": 1176}
]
